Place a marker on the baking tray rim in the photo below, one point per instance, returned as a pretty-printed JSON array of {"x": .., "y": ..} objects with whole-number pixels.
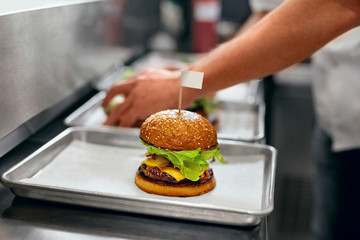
[{"x": 16, "y": 184}]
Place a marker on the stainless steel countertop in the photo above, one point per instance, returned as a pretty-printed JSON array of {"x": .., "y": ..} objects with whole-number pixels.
[
  {"x": 31, "y": 219},
  {"x": 23, "y": 218}
]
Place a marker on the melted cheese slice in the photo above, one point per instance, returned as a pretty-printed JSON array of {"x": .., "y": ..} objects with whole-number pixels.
[{"x": 174, "y": 172}]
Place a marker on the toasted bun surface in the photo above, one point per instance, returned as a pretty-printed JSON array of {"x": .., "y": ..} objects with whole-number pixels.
[
  {"x": 173, "y": 131},
  {"x": 181, "y": 190}
]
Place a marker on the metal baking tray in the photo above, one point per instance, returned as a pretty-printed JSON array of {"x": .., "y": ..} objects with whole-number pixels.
[
  {"x": 237, "y": 120},
  {"x": 96, "y": 167}
]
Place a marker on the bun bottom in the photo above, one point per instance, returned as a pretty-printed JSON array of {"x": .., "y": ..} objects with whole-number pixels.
[{"x": 183, "y": 190}]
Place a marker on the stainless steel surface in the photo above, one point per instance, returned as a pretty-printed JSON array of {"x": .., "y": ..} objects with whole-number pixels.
[
  {"x": 241, "y": 121},
  {"x": 90, "y": 113},
  {"x": 46, "y": 54},
  {"x": 22, "y": 218},
  {"x": 183, "y": 208},
  {"x": 237, "y": 121}
]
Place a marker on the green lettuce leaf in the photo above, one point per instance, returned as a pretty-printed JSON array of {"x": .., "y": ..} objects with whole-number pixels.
[
  {"x": 190, "y": 162},
  {"x": 207, "y": 104}
]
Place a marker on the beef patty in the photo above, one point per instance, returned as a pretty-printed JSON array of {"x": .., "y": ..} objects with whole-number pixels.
[{"x": 155, "y": 174}]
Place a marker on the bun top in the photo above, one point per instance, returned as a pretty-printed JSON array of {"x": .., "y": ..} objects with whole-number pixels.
[{"x": 173, "y": 131}]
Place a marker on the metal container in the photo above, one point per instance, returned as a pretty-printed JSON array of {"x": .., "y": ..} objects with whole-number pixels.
[{"x": 96, "y": 167}]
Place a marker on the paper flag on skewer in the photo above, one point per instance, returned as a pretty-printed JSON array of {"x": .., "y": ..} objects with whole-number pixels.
[{"x": 191, "y": 79}]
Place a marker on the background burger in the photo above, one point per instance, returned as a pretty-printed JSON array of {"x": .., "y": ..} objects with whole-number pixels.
[{"x": 178, "y": 147}]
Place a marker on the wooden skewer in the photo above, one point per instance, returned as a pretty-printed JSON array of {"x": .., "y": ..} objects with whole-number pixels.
[{"x": 180, "y": 98}]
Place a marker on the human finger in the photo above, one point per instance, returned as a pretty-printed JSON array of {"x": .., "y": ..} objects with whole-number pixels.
[
  {"x": 118, "y": 88},
  {"x": 115, "y": 116},
  {"x": 129, "y": 118},
  {"x": 131, "y": 114}
]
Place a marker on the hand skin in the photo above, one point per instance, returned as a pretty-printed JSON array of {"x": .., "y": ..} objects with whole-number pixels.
[
  {"x": 287, "y": 35},
  {"x": 147, "y": 92}
]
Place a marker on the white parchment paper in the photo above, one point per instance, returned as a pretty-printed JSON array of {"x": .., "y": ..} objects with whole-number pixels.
[{"x": 111, "y": 170}]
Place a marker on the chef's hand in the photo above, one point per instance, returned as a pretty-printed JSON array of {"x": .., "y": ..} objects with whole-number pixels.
[{"x": 147, "y": 92}]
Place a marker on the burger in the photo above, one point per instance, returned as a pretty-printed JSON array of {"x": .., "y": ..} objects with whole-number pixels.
[{"x": 179, "y": 146}]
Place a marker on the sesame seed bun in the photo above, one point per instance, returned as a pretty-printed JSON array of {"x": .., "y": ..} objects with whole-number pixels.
[{"x": 173, "y": 131}]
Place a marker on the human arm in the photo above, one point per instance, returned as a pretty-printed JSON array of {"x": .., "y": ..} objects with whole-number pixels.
[
  {"x": 253, "y": 19},
  {"x": 289, "y": 34}
]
